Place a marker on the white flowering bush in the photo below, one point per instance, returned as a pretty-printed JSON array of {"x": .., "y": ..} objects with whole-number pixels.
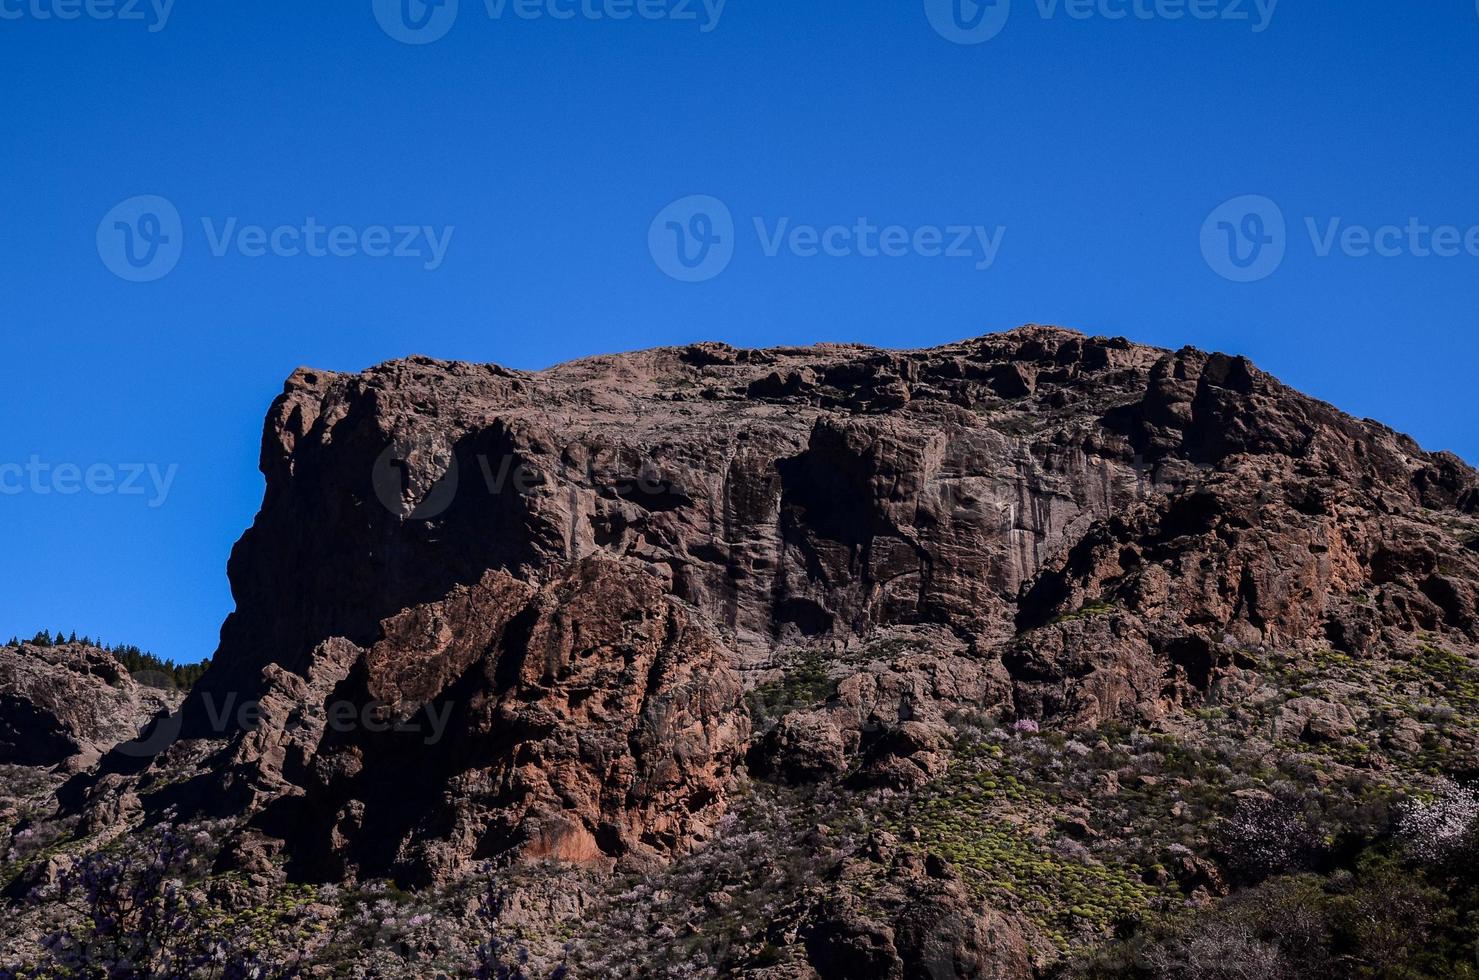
[
  {"x": 1441, "y": 829},
  {"x": 1268, "y": 836}
]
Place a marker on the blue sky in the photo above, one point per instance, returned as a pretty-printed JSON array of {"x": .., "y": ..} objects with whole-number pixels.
[{"x": 532, "y": 154}]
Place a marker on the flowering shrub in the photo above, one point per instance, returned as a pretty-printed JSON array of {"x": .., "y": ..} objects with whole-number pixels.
[
  {"x": 1442, "y": 829},
  {"x": 720, "y": 906},
  {"x": 1374, "y": 918},
  {"x": 1268, "y": 837},
  {"x": 1026, "y": 726},
  {"x": 1219, "y": 950},
  {"x": 138, "y": 919},
  {"x": 23, "y": 844}
]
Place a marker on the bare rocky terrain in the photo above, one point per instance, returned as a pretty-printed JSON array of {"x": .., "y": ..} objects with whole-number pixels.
[
  {"x": 1032, "y": 655},
  {"x": 67, "y": 705}
]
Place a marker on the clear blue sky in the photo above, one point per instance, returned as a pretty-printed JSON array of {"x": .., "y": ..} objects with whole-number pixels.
[{"x": 549, "y": 146}]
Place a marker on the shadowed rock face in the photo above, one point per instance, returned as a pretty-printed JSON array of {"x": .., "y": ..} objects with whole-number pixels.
[
  {"x": 581, "y": 569},
  {"x": 590, "y": 720}
]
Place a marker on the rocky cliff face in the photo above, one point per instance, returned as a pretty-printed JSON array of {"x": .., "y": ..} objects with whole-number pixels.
[
  {"x": 589, "y": 719},
  {"x": 571, "y": 576}
]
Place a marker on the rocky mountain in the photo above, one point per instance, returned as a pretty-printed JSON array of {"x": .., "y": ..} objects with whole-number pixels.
[{"x": 834, "y": 661}]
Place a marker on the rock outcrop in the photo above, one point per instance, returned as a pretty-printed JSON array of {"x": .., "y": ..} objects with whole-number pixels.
[
  {"x": 933, "y": 929},
  {"x": 574, "y": 574},
  {"x": 67, "y": 705},
  {"x": 589, "y": 720}
]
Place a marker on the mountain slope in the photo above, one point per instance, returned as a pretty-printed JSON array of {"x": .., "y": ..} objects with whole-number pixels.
[{"x": 978, "y": 653}]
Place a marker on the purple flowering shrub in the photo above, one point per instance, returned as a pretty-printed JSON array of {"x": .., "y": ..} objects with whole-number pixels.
[{"x": 136, "y": 918}]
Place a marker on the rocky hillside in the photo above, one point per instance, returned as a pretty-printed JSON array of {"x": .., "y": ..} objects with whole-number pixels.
[
  {"x": 66, "y": 705},
  {"x": 1004, "y": 658}
]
